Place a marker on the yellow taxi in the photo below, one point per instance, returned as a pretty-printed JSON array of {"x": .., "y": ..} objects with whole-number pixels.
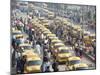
[
  {"x": 72, "y": 61},
  {"x": 44, "y": 21},
  {"x": 46, "y": 25},
  {"x": 52, "y": 42},
  {"x": 29, "y": 53},
  {"x": 63, "y": 54},
  {"x": 92, "y": 37},
  {"x": 51, "y": 15},
  {"x": 41, "y": 18},
  {"x": 19, "y": 36},
  {"x": 55, "y": 41},
  {"x": 65, "y": 48},
  {"x": 51, "y": 35},
  {"x": 80, "y": 66},
  {"x": 40, "y": 27},
  {"x": 25, "y": 46},
  {"x": 56, "y": 45},
  {"x": 87, "y": 40},
  {"x": 33, "y": 65},
  {"x": 46, "y": 32},
  {"x": 76, "y": 27},
  {"x": 15, "y": 33},
  {"x": 52, "y": 38},
  {"x": 79, "y": 30},
  {"x": 33, "y": 62},
  {"x": 43, "y": 29},
  {"x": 65, "y": 22}
]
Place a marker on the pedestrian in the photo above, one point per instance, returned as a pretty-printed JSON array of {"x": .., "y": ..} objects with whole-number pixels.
[
  {"x": 38, "y": 48},
  {"x": 13, "y": 43},
  {"x": 45, "y": 58},
  {"x": 81, "y": 52},
  {"x": 21, "y": 19},
  {"x": 45, "y": 46},
  {"x": 44, "y": 62},
  {"x": 76, "y": 51},
  {"x": 55, "y": 66},
  {"x": 13, "y": 57},
  {"x": 23, "y": 61},
  {"x": 48, "y": 54},
  {"x": 18, "y": 66},
  {"x": 48, "y": 69}
]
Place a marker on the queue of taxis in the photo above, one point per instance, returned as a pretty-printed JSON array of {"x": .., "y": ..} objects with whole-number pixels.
[
  {"x": 62, "y": 53},
  {"x": 49, "y": 41},
  {"x": 33, "y": 60},
  {"x": 44, "y": 22},
  {"x": 76, "y": 30}
]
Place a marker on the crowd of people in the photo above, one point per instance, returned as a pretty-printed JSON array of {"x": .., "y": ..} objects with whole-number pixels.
[
  {"x": 41, "y": 43},
  {"x": 76, "y": 40},
  {"x": 38, "y": 42}
]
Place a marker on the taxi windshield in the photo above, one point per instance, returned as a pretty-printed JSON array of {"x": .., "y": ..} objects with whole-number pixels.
[
  {"x": 16, "y": 33},
  {"x": 26, "y": 47},
  {"x": 36, "y": 62},
  {"x": 64, "y": 51},
  {"x": 72, "y": 62}
]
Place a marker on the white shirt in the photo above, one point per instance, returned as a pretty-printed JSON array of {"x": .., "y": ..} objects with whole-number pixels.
[{"x": 38, "y": 48}]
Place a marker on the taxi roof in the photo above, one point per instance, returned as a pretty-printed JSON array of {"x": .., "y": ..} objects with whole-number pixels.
[
  {"x": 45, "y": 21},
  {"x": 56, "y": 40},
  {"x": 41, "y": 18},
  {"x": 43, "y": 28},
  {"x": 59, "y": 44},
  {"x": 28, "y": 52},
  {"x": 66, "y": 48},
  {"x": 51, "y": 35},
  {"x": 76, "y": 26},
  {"x": 47, "y": 32},
  {"x": 19, "y": 35},
  {"x": 46, "y": 24},
  {"x": 33, "y": 58},
  {"x": 16, "y": 31},
  {"x": 74, "y": 58},
  {"x": 64, "y": 54}
]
